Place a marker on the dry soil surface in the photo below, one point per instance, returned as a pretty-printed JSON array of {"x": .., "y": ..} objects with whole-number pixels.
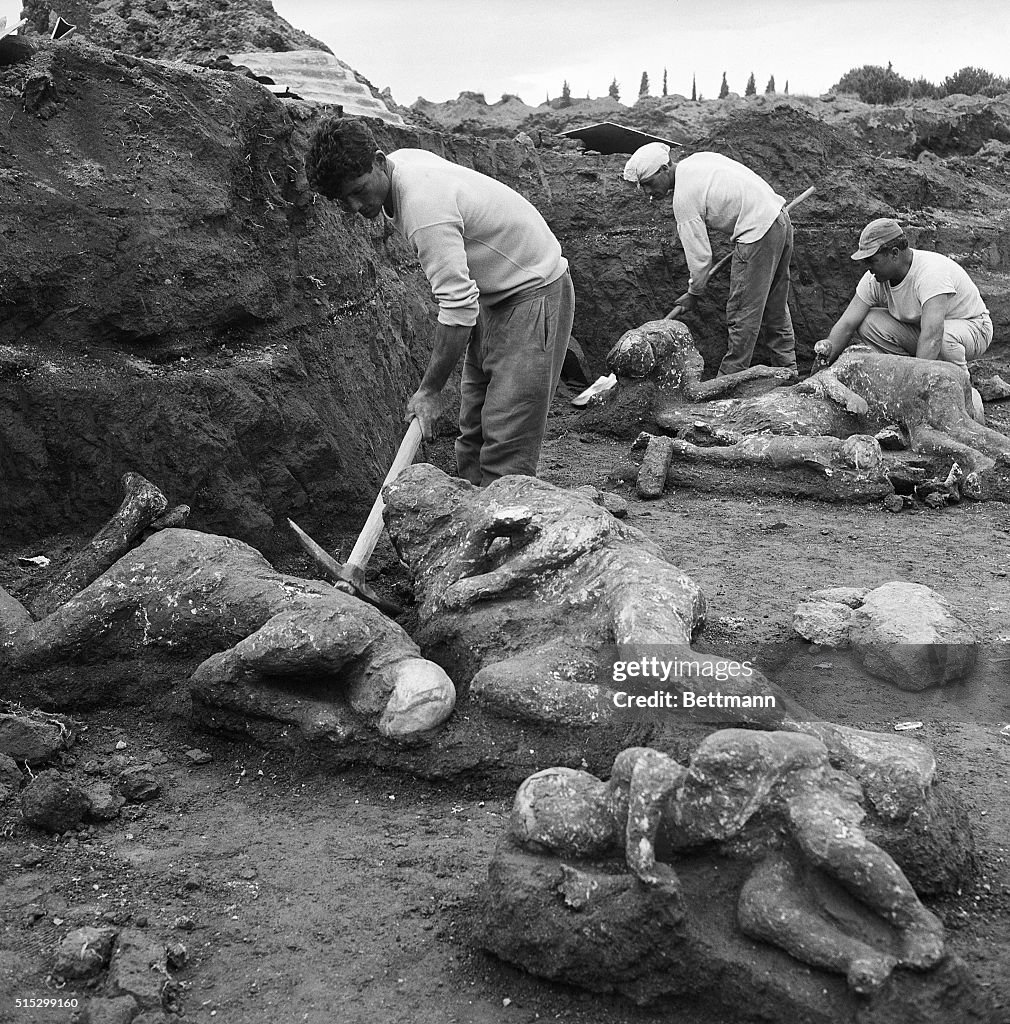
[{"x": 351, "y": 898}]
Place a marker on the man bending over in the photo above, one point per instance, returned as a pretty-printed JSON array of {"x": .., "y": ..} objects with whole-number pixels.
[{"x": 504, "y": 292}]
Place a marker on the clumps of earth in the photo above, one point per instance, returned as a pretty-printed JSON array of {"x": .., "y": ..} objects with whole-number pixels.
[{"x": 72, "y": 794}]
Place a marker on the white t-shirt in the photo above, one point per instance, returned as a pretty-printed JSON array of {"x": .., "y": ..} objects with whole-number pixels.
[
  {"x": 930, "y": 274},
  {"x": 479, "y": 242}
]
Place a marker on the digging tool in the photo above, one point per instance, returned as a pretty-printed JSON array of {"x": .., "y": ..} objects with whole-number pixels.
[
  {"x": 679, "y": 310},
  {"x": 351, "y": 575}
]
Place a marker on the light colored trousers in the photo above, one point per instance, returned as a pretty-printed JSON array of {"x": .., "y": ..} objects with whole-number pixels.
[
  {"x": 510, "y": 373},
  {"x": 962, "y": 339},
  {"x": 759, "y": 294}
]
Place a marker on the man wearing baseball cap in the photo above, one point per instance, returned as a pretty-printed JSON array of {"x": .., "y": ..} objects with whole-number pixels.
[
  {"x": 910, "y": 302},
  {"x": 712, "y": 191}
]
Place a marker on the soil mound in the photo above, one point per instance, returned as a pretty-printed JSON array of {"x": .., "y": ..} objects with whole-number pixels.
[{"x": 175, "y": 29}]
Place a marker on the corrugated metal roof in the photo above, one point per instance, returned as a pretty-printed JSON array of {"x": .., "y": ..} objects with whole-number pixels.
[
  {"x": 316, "y": 76},
  {"x": 610, "y": 137}
]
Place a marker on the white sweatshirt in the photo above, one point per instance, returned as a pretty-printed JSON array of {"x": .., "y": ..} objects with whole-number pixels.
[
  {"x": 712, "y": 191},
  {"x": 478, "y": 241}
]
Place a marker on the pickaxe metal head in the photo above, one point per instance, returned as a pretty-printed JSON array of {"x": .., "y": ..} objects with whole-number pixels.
[{"x": 349, "y": 577}]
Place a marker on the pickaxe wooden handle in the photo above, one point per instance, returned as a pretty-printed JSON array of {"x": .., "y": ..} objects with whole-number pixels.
[
  {"x": 372, "y": 530},
  {"x": 679, "y": 310},
  {"x": 352, "y": 573}
]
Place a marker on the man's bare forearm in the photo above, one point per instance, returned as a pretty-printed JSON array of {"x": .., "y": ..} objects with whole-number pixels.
[
  {"x": 450, "y": 343},
  {"x": 930, "y": 345},
  {"x": 426, "y": 403}
]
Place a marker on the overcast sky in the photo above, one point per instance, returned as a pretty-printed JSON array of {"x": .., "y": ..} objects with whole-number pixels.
[{"x": 438, "y": 49}]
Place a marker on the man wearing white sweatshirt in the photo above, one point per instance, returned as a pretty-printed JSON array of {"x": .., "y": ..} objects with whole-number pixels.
[
  {"x": 504, "y": 292},
  {"x": 713, "y": 191}
]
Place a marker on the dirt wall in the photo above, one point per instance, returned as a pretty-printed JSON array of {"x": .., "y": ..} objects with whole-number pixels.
[{"x": 172, "y": 300}]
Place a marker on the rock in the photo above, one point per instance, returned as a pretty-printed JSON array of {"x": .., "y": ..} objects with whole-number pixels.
[
  {"x": 825, "y": 623},
  {"x": 32, "y": 737},
  {"x": 197, "y": 756},
  {"x": 118, "y": 1010},
  {"x": 11, "y": 778},
  {"x": 104, "y": 803},
  {"x": 615, "y": 504},
  {"x": 586, "y": 926},
  {"x": 84, "y": 952},
  {"x": 908, "y": 634},
  {"x": 178, "y": 955},
  {"x": 54, "y": 802},
  {"x": 892, "y": 438},
  {"x": 138, "y": 784},
  {"x": 903, "y": 632},
  {"x": 655, "y": 467},
  {"x": 139, "y": 968},
  {"x": 849, "y": 596},
  {"x": 993, "y": 389},
  {"x": 933, "y": 841}
]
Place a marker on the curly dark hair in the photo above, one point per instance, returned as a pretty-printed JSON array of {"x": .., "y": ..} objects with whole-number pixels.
[{"x": 340, "y": 149}]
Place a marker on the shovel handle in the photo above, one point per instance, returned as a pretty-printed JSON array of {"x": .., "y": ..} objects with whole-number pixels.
[
  {"x": 372, "y": 530},
  {"x": 805, "y": 194}
]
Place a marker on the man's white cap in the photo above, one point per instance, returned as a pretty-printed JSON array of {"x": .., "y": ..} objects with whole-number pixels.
[{"x": 646, "y": 161}]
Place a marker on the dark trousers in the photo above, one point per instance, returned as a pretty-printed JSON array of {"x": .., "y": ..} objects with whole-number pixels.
[
  {"x": 759, "y": 294},
  {"x": 510, "y": 372}
]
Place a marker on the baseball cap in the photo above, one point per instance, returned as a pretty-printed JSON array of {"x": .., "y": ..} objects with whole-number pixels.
[{"x": 875, "y": 234}]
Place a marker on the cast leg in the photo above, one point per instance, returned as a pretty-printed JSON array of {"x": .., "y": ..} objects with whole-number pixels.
[
  {"x": 827, "y": 832},
  {"x": 774, "y": 906}
]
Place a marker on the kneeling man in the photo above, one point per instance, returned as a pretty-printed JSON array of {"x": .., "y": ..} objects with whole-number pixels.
[{"x": 910, "y": 302}]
